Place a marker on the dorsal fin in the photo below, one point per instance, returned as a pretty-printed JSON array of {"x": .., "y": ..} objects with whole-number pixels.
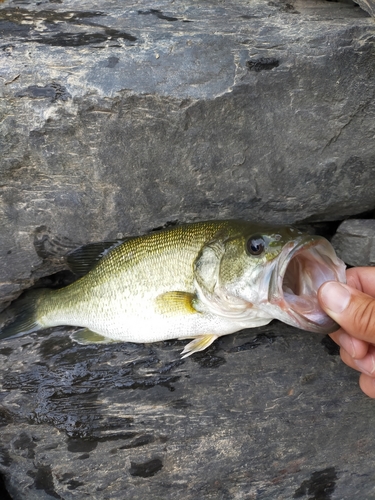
[{"x": 85, "y": 258}]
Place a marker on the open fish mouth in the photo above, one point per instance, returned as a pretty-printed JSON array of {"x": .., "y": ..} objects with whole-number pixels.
[{"x": 299, "y": 275}]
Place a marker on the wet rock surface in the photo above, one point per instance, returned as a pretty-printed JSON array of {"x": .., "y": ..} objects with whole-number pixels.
[
  {"x": 117, "y": 118},
  {"x": 266, "y": 413},
  {"x": 354, "y": 242}
]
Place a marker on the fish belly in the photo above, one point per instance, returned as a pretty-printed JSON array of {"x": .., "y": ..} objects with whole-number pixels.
[{"x": 133, "y": 318}]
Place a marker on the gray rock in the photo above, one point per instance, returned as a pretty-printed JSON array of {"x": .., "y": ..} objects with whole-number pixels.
[
  {"x": 354, "y": 242},
  {"x": 267, "y": 413},
  {"x": 367, "y": 5},
  {"x": 119, "y": 117}
]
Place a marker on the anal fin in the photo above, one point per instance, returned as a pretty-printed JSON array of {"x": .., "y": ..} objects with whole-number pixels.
[
  {"x": 86, "y": 336},
  {"x": 199, "y": 344}
]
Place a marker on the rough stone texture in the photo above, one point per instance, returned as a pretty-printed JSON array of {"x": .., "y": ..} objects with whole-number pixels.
[
  {"x": 367, "y": 5},
  {"x": 269, "y": 413},
  {"x": 354, "y": 242},
  {"x": 117, "y": 117}
]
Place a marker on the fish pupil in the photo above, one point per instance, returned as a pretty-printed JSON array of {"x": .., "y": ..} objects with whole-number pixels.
[{"x": 255, "y": 245}]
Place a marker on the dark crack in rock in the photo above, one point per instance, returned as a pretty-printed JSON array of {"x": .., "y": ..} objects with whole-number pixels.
[
  {"x": 263, "y": 64},
  {"x": 330, "y": 346},
  {"x": 3, "y": 492},
  {"x": 146, "y": 469},
  {"x": 261, "y": 339},
  {"x": 44, "y": 480},
  {"x": 158, "y": 14},
  {"x": 52, "y": 91},
  {"x": 320, "y": 486}
]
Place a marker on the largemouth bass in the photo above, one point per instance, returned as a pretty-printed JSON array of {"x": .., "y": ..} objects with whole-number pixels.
[{"x": 195, "y": 281}]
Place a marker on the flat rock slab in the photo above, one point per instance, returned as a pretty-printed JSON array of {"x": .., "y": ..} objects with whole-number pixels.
[
  {"x": 266, "y": 413},
  {"x": 119, "y": 117},
  {"x": 354, "y": 242}
]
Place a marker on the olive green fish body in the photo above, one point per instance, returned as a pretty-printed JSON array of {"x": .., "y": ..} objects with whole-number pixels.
[{"x": 142, "y": 291}]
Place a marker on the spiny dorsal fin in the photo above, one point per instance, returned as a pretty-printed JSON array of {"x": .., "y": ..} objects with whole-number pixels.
[{"x": 85, "y": 258}]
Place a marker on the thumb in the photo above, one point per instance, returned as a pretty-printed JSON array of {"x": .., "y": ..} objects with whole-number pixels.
[{"x": 353, "y": 310}]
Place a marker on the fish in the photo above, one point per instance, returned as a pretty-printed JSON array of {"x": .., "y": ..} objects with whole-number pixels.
[{"x": 196, "y": 281}]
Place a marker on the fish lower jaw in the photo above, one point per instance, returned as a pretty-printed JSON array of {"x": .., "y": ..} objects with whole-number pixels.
[{"x": 309, "y": 316}]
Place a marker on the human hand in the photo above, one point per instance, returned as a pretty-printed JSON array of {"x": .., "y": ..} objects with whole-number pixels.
[{"x": 352, "y": 306}]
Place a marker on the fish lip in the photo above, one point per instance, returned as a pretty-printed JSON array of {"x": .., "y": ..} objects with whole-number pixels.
[{"x": 316, "y": 250}]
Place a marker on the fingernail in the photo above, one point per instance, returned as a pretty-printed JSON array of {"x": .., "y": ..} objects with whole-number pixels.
[
  {"x": 335, "y": 296},
  {"x": 366, "y": 365},
  {"x": 346, "y": 343}
]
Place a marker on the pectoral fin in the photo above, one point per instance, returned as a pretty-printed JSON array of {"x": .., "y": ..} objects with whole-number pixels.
[
  {"x": 175, "y": 303},
  {"x": 198, "y": 344},
  {"x": 86, "y": 336}
]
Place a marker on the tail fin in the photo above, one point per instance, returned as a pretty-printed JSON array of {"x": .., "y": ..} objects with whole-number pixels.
[{"x": 20, "y": 317}]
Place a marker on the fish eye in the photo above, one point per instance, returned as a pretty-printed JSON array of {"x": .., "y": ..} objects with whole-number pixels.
[{"x": 255, "y": 245}]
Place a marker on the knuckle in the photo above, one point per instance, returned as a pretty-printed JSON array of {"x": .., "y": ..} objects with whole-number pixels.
[{"x": 364, "y": 317}]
